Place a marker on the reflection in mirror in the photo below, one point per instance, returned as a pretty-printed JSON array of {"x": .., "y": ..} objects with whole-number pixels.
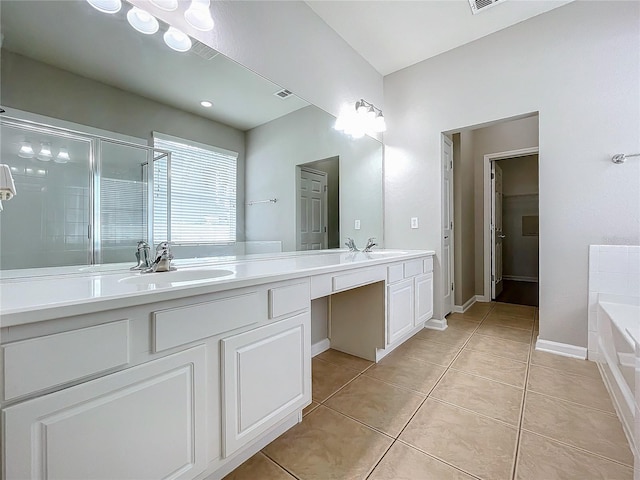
[{"x": 92, "y": 74}]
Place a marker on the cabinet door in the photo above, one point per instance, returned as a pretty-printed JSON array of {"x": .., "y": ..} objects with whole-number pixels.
[
  {"x": 267, "y": 376},
  {"x": 424, "y": 297},
  {"x": 399, "y": 309},
  {"x": 142, "y": 423}
]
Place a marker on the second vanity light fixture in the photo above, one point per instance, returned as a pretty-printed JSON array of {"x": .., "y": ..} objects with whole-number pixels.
[
  {"x": 364, "y": 119},
  {"x": 198, "y": 15}
]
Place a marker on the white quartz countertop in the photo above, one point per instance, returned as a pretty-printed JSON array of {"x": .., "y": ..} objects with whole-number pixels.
[{"x": 54, "y": 293}]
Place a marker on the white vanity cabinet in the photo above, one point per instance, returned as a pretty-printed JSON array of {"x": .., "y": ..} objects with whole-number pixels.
[
  {"x": 147, "y": 422},
  {"x": 409, "y": 298}
]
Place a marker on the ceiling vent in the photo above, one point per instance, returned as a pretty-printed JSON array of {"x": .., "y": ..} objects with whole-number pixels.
[
  {"x": 478, "y": 6},
  {"x": 204, "y": 51},
  {"x": 284, "y": 93}
]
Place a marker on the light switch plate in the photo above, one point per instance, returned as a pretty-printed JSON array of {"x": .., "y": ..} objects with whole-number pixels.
[
  {"x": 357, "y": 225},
  {"x": 414, "y": 222}
]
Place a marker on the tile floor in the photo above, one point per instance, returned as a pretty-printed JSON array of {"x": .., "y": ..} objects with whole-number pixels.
[{"x": 474, "y": 401}]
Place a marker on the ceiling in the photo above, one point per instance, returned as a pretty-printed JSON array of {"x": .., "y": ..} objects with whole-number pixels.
[
  {"x": 105, "y": 48},
  {"x": 392, "y": 35}
]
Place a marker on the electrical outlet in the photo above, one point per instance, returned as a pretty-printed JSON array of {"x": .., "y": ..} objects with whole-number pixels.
[
  {"x": 414, "y": 222},
  {"x": 357, "y": 225}
]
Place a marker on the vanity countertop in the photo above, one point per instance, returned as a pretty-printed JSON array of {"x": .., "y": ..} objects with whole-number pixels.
[{"x": 51, "y": 293}]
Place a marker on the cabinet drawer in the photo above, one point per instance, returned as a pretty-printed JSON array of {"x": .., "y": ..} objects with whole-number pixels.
[
  {"x": 177, "y": 326},
  {"x": 359, "y": 278},
  {"x": 413, "y": 268},
  {"x": 395, "y": 273},
  {"x": 428, "y": 265},
  {"x": 44, "y": 362},
  {"x": 288, "y": 299}
]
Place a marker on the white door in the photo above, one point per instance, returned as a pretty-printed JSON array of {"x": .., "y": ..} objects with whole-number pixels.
[
  {"x": 312, "y": 210},
  {"x": 146, "y": 422},
  {"x": 266, "y": 377},
  {"x": 447, "y": 225},
  {"x": 496, "y": 230}
]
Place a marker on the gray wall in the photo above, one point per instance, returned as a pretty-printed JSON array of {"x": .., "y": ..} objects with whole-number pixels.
[
  {"x": 577, "y": 65},
  {"x": 271, "y": 173}
]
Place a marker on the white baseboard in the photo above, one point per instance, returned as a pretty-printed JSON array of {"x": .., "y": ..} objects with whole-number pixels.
[
  {"x": 482, "y": 298},
  {"x": 436, "y": 324},
  {"x": 319, "y": 347},
  {"x": 518, "y": 278},
  {"x": 563, "y": 349},
  {"x": 465, "y": 307}
]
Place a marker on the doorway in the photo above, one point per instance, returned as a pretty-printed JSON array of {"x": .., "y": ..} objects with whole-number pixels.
[{"x": 511, "y": 231}]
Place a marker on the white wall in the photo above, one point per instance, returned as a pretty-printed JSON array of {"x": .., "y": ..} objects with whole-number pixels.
[
  {"x": 271, "y": 160},
  {"x": 578, "y": 66},
  {"x": 288, "y": 43}
]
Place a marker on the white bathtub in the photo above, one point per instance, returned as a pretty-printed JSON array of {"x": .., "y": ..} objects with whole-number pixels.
[{"x": 619, "y": 360}]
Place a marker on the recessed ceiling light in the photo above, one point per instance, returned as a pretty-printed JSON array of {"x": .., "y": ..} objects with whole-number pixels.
[{"x": 206, "y": 104}]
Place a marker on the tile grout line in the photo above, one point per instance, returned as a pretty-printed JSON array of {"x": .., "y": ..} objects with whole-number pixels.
[{"x": 522, "y": 409}]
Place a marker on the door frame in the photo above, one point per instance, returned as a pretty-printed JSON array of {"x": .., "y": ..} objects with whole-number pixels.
[
  {"x": 446, "y": 139},
  {"x": 488, "y": 158}
]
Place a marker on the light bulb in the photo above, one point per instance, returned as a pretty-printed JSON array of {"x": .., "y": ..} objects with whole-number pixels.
[
  {"x": 45, "y": 152},
  {"x": 26, "y": 150},
  {"x": 199, "y": 16},
  {"x": 63, "y": 156},
  {"x": 177, "y": 40},
  {"x": 379, "y": 125},
  {"x": 106, "y": 6},
  {"x": 206, "y": 104},
  {"x": 168, "y": 5},
  {"x": 361, "y": 108},
  {"x": 142, "y": 21}
]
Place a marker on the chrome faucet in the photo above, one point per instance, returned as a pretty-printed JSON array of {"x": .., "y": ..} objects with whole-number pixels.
[
  {"x": 351, "y": 244},
  {"x": 370, "y": 244},
  {"x": 162, "y": 262},
  {"x": 143, "y": 256}
]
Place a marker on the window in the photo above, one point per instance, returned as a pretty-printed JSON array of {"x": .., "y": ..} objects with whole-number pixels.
[{"x": 196, "y": 204}]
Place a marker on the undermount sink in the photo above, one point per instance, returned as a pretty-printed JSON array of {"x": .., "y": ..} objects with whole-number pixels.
[{"x": 176, "y": 277}]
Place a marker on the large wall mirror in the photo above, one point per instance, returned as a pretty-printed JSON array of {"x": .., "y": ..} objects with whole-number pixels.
[{"x": 259, "y": 171}]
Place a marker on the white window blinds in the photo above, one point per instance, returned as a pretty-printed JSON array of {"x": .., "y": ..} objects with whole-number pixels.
[{"x": 196, "y": 203}]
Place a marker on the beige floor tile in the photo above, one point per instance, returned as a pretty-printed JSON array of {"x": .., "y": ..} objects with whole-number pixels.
[
  {"x": 460, "y": 324},
  {"x": 310, "y": 408},
  {"x": 512, "y": 322},
  {"x": 506, "y": 333},
  {"x": 406, "y": 372},
  {"x": 451, "y": 336},
  {"x": 568, "y": 365},
  {"x": 428, "y": 351},
  {"x": 377, "y": 404},
  {"x": 492, "y": 367},
  {"x": 486, "y": 397},
  {"x": 327, "y": 378},
  {"x": 403, "y": 462},
  {"x": 540, "y": 458},
  {"x": 476, "y": 444},
  {"x": 498, "y": 346},
  {"x": 586, "y": 391},
  {"x": 344, "y": 360},
  {"x": 259, "y": 466},
  {"x": 511, "y": 310},
  {"x": 592, "y": 430},
  {"x": 329, "y": 446}
]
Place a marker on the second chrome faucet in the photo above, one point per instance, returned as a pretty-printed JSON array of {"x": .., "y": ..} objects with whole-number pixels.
[
  {"x": 161, "y": 261},
  {"x": 352, "y": 245}
]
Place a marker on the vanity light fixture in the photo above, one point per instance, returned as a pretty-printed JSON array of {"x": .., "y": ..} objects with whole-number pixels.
[
  {"x": 26, "y": 150},
  {"x": 206, "y": 103},
  {"x": 106, "y": 6},
  {"x": 45, "y": 152},
  {"x": 142, "y": 21},
  {"x": 167, "y": 5},
  {"x": 63, "y": 156},
  {"x": 365, "y": 118},
  {"x": 198, "y": 15},
  {"x": 177, "y": 40}
]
